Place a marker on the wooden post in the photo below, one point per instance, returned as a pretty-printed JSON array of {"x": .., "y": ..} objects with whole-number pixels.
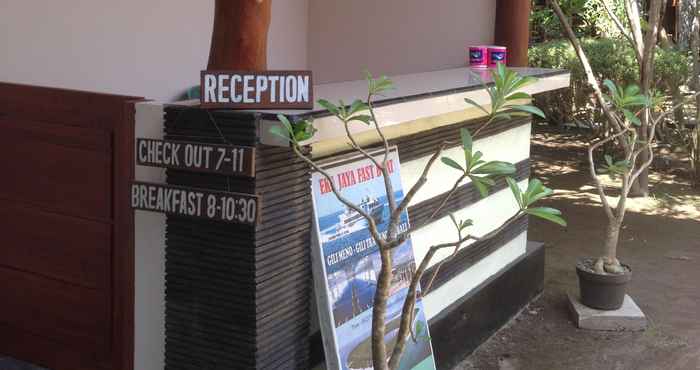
[
  {"x": 513, "y": 29},
  {"x": 239, "y": 38}
]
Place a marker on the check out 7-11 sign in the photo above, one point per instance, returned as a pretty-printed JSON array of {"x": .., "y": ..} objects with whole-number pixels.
[{"x": 231, "y": 160}]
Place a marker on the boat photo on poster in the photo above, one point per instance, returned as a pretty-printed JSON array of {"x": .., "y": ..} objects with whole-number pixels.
[{"x": 347, "y": 262}]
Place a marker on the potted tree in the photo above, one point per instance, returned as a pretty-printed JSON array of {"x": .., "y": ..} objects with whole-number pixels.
[
  {"x": 628, "y": 154},
  {"x": 506, "y": 98}
]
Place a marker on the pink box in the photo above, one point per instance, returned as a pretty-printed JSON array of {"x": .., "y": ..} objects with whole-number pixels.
[
  {"x": 497, "y": 54},
  {"x": 478, "y": 56}
]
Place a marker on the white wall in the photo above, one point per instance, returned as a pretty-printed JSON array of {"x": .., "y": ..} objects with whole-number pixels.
[
  {"x": 512, "y": 146},
  {"x": 394, "y": 36},
  {"x": 149, "y": 251},
  {"x": 155, "y": 48},
  {"x": 150, "y": 48}
]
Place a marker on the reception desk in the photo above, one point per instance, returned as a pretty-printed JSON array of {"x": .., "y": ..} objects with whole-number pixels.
[{"x": 215, "y": 295}]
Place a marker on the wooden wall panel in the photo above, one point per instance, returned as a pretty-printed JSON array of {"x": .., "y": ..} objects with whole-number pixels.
[
  {"x": 52, "y": 308},
  {"x": 74, "y": 178},
  {"x": 70, "y": 249},
  {"x": 66, "y": 255}
]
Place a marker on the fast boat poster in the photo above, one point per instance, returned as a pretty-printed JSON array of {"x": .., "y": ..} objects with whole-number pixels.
[{"x": 346, "y": 264}]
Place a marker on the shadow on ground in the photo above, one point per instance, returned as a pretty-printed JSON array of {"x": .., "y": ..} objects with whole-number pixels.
[
  {"x": 7, "y": 363},
  {"x": 661, "y": 242}
]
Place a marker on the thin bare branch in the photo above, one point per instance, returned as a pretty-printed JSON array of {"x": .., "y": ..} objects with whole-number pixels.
[
  {"x": 594, "y": 175},
  {"x": 588, "y": 70},
  {"x": 447, "y": 197},
  {"x": 422, "y": 180},
  {"x": 356, "y": 146},
  {"x": 648, "y": 146},
  {"x": 410, "y": 301},
  {"x": 407, "y": 314},
  {"x": 488, "y": 122},
  {"x": 376, "y": 126},
  {"x": 635, "y": 24},
  {"x": 372, "y": 224},
  {"x": 391, "y": 198}
]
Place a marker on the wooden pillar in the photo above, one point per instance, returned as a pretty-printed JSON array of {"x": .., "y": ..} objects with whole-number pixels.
[
  {"x": 513, "y": 29},
  {"x": 239, "y": 38}
]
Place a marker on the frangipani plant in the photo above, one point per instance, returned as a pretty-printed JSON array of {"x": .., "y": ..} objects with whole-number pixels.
[
  {"x": 629, "y": 150},
  {"x": 482, "y": 173}
]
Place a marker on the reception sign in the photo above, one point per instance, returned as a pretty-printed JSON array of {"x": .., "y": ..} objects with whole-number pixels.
[
  {"x": 222, "y": 159},
  {"x": 256, "y": 90},
  {"x": 347, "y": 262},
  {"x": 199, "y": 203}
]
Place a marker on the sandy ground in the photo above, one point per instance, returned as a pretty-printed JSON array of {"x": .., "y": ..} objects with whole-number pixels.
[{"x": 661, "y": 243}]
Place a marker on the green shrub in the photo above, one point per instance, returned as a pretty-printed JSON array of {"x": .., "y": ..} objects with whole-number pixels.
[
  {"x": 673, "y": 69},
  {"x": 611, "y": 59},
  {"x": 587, "y": 18}
]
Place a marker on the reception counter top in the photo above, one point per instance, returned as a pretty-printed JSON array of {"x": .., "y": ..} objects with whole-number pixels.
[
  {"x": 421, "y": 86},
  {"x": 419, "y": 102}
]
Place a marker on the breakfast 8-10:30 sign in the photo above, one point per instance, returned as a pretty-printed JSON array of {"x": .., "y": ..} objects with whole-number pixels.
[{"x": 256, "y": 90}]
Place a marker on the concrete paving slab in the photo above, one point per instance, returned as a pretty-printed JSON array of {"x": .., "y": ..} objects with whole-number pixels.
[{"x": 629, "y": 317}]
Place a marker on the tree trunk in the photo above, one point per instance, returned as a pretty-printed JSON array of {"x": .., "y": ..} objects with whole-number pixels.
[
  {"x": 695, "y": 49},
  {"x": 381, "y": 296},
  {"x": 646, "y": 75},
  {"x": 696, "y": 154},
  {"x": 239, "y": 38},
  {"x": 612, "y": 237}
]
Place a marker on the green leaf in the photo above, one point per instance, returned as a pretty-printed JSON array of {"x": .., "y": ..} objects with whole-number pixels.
[
  {"x": 454, "y": 221},
  {"x": 524, "y": 81},
  {"x": 473, "y": 161},
  {"x": 329, "y": 106},
  {"x": 466, "y": 137},
  {"x": 549, "y": 214},
  {"x": 515, "y": 189},
  {"x": 480, "y": 186},
  {"x": 366, "y": 119},
  {"x": 280, "y": 132},
  {"x": 357, "y": 106},
  {"x": 631, "y": 90},
  {"x": 518, "y": 95},
  {"x": 303, "y": 130},
  {"x": 635, "y": 101},
  {"x": 529, "y": 109},
  {"x": 496, "y": 168},
  {"x": 537, "y": 196},
  {"x": 631, "y": 117},
  {"x": 504, "y": 116},
  {"x": 613, "y": 89},
  {"x": 379, "y": 85},
  {"x": 450, "y": 162},
  {"x": 501, "y": 71},
  {"x": 623, "y": 163},
  {"x": 483, "y": 179},
  {"x": 285, "y": 122},
  {"x": 475, "y": 104},
  {"x": 534, "y": 186},
  {"x": 465, "y": 223}
]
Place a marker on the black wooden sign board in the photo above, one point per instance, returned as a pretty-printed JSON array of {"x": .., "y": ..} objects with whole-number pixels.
[
  {"x": 256, "y": 89},
  {"x": 222, "y": 159},
  {"x": 200, "y": 203}
]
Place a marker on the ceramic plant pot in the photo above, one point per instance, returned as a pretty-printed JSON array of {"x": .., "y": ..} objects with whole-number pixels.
[{"x": 602, "y": 292}]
